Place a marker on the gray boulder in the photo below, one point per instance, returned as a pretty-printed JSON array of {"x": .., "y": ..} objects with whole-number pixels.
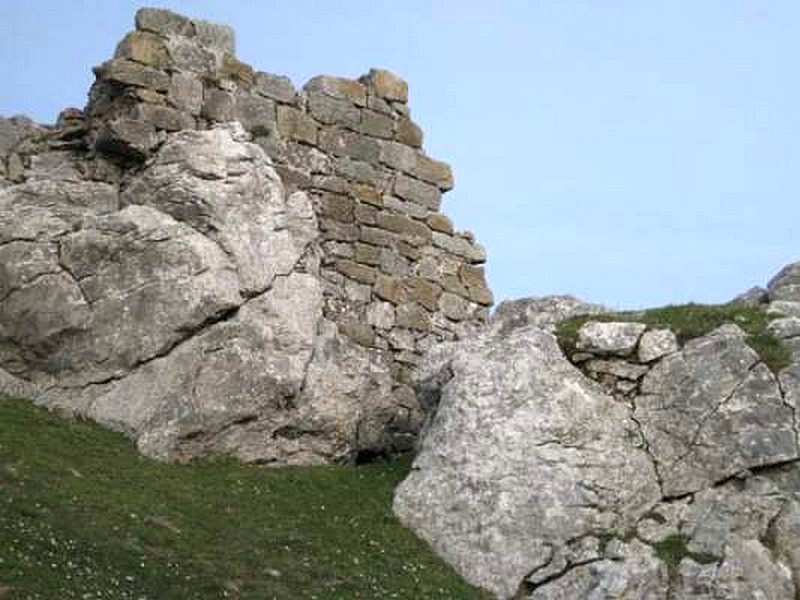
[
  {"x": 525, "y": 463},
  {"x": 188, "y": 311},
  {"x": 785, "y": 286},
  {"x": 754, "y": 297},
  {"x": 13, "y": 130},
  {"x": 615, "y": 338},
  {"x": 535, "y": 484},
  {"x": 655, "y": 344},
  {"x": 544, "y": 312},
  {"x": 711, "y": 411}
]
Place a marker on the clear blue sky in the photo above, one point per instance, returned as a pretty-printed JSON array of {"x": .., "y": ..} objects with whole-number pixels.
[{"x": 633, "y": 153}]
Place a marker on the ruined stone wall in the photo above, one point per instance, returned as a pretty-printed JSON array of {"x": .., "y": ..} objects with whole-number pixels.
[{"x": 397, "y": 276}]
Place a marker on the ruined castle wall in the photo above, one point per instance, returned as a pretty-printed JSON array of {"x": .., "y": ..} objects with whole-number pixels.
[{"x": 398, "y": 276}]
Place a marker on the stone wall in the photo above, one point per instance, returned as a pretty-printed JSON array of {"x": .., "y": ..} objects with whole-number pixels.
[{"x": 398, "y": 277}]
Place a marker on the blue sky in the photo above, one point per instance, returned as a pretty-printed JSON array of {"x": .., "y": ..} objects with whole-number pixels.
[{"x": 633, "y": 153}]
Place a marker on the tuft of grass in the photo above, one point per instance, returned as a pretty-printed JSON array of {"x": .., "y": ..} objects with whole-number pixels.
[
  {"x": 674, "y": 548},
  {"x": 689, "y": 321},
  {"x": 82, "y": 515}
]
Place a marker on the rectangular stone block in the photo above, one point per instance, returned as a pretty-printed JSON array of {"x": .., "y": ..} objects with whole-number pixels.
[
  {"x": 232, "y": 68},
  {"x": 366, "y": 214},
  {"x": 186, "y": 93},
  {"x": 360, "y": 171},
  {"x": 481, "y": 295},
  {"x": 418, "y": 191},
  {"x": 149, "y": 96},
  {"x": 336, "y": 230},
  {"x": 215, "y": 35},
  {"x": 424, "y": 292},
  {"x": 276, "y": 87},
  {"x": 294, "y": 124},
  {"x": 378, "y": 104},
  {"x": 331, "y": 183},
  {"x": 337, "y": 206},
  {"x": 367, "y": 254},
  {"x": 393, "y": 263},
  {"x": 188, "y": 54},
  {"x": 439, "y": 222},
  {"x": 341, "y": 142},
  {"x": 390, "y": 288},
  {"x": 367, "y": 194},
  {"x": 411, "y": 230},
  {"x": 376, "y": 124},
  {"x": 338, "y": 87},
  {"x": 164, "y": 117},
  {"x": 474, "y": 253},
  {"x": 333, "y": 111},
  {"x": 433, "y": 171},
  {"x": 377, "y": 236},
  {"x": 163, "y": 22},
  {"x": 359, "y": 332},
  {"x": 387, "y": 85},
  {"x": 132, "y": 73},
  {"x": 255, "y": 113},
  {"x": 409, "y": 133},
  {"x": 472, "y": 276},
  {"x": 409, "y": 251},
  {"x": 145, "y": 48},
  {"x": 339, "y": 249},
  {"x": 398, "y": 156},
  {"x": 412, "y": 209},
  {"x": 218, "y": 105},
  {"x": 356, "y": 271}
]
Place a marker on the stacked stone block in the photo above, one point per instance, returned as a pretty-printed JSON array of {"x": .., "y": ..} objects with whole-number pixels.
[{"x": 398, "y": 276}]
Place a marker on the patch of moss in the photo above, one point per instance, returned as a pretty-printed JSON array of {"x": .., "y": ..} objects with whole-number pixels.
[
  {"x": 690, "y": 321},
  {"x": 674, "y": 548}
]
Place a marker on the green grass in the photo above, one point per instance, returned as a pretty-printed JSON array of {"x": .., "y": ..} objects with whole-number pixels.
[
  {"x": 82, "y": 515},
  {"x": 689, "y": 321},
  {"x": 674, "y": 548}
]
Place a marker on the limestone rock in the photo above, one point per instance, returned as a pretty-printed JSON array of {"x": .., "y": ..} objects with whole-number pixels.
[
  {"x": 523, "y": 457},
  {"x": 655, "y": 344},
  {"x": 13, "y": 130},
  {"x": 711, "y": 411},
  {"x": 544, "y": 312},
  {"x": 534, "y": 484},
  {"x": 784, "y": 308},
  {"x": 755, "y": 296},
  {"x": 618, "y": 339},
  {"x": 785, "y": 286},
  {"x": 156, "y": 312}
]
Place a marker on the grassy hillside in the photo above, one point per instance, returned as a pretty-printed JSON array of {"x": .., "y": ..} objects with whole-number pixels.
[{"x": 83, "y": 516}]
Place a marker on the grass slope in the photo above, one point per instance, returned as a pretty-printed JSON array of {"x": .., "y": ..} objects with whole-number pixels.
[
  {"x": 689, "y": 321},
  {"x": 82, "y": 515}
]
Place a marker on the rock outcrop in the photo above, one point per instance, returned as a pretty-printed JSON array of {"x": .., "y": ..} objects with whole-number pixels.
[
  {"x": 215, "y": 262},
  {"x": 639, "y": 467}
]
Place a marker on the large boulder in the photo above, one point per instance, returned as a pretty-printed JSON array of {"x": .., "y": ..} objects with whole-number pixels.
[
  {"x": 525, "y": 465},
  {"x": 785, "y": 286},
  {"x": 187, "y": 311},
  {"x": 535, "y": 483}
]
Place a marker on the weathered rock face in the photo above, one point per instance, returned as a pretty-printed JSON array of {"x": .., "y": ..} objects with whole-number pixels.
[
  {"x": 646, "y": 470},
  {"x": 213, "y": 261},
  {"x": 525, "y": 465}
]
